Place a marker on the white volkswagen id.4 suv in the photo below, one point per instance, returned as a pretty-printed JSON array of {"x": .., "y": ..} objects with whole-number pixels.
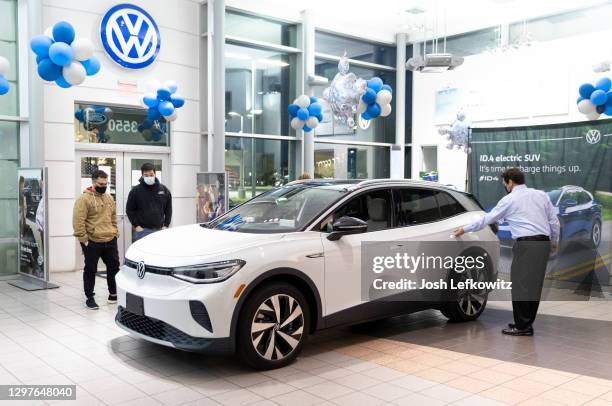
[{"x": 262, "y": 277}]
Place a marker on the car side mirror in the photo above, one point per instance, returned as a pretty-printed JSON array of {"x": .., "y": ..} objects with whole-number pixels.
[{"x": 347, "y": 225}]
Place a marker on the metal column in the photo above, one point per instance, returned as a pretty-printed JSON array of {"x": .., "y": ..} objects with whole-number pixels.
[
  {"x": 218, "y": 83},
  {"x": 308, "y": 37},
  {"x": 397, "y": 151}
]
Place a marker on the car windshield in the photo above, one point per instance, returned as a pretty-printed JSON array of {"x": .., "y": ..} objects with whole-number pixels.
[
  {"x": 553, "y": 195},
  {"x": 281, "y": 210}
]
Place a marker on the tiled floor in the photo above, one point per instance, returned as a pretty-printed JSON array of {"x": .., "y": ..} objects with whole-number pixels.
[{"x": 47, "y": 337}]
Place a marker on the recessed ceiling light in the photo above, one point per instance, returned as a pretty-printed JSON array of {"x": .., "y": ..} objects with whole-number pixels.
[{"x": 414, "y": 10}]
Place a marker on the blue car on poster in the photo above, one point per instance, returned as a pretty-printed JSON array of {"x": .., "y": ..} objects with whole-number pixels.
[{"x": 579, "y": 215}]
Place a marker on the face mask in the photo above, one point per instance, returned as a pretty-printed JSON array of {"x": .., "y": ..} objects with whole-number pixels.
[
  {"x": 100, "y": 189},
  {"x": 149, "y": 180}
]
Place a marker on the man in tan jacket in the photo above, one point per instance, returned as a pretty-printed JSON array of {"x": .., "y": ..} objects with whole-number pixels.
[{"x": 95, "y": 226}]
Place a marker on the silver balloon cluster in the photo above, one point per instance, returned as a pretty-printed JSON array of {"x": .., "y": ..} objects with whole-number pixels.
[
  {"x": 343, "y": 94},
  {"x": 457, "y": 134}
]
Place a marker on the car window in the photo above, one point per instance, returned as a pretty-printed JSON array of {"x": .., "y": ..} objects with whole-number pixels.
[
  {"x": 372, "y": 207},
  {"x": 416, "y": 206},
  {"x": 449, "y": 207},
  {"x": 583, "y": 198},
  {"x": 570, "y": 195}
]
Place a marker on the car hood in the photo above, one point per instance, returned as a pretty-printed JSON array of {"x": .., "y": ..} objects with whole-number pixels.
[{"x": 196, "y": 241}]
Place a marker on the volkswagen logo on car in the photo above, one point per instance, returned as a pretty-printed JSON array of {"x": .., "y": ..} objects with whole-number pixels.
[
  {"x": 130, "y": 36},
  {"x": 141, "y": 269}
]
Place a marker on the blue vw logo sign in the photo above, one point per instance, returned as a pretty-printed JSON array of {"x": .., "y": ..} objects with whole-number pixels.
[{"x": 130, "y": 36}]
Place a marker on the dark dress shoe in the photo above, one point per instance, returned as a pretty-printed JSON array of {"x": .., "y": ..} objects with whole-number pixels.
[{"x": 516, "y": 332}]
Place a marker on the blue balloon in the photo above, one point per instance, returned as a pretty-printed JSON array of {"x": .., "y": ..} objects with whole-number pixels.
[
  {"x": 599, "y": 97},
  {"x": 369, "y": 96},
  {"x": 156, "y": 135},
  {"x": 600, "y": 109},
  {"x": 165, "y": 108},
  {"x": 581, "y": 99},
  {"x": 63, "y": 32},
  {"x": 177, "y": 101},
  {"x": 315, "y": 109},
  {"x": 373, "y": 110},
  {"x": 609, "y": 101},
  {"x": 163, "y": 93},
  {"x": 365, "y": 115},
  {"x": 150, "y": 101},
  {"x": 608, "y": 110},
  {"x": 48, "y": 70},
  {"x": 320, "y": 118},
  {"x": 40, "y": 45},
  {"x": 153, "y": 114},
  {"x": 604, "y": 84},
  {"x": 4, "y": 85},
  {"x": 147, "y": 123},
  {"x": 91, "y": 65},
  {"x": 61, "y": 54},
  {"x": 292, "y": 109},
  {"x": 307, "y": 129},
  {"x": 375, "y": 84},
  {"x": 387, "y": 87},
  {"x": 313, "y": 99},
  {"x": 586, "y": 89},
  {"x": 302, "y": 114},
  {"x": 61, "y": 82}
]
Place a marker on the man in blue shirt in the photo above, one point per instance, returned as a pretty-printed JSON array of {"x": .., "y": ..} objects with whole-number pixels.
[{"x": 535, "y": 227}]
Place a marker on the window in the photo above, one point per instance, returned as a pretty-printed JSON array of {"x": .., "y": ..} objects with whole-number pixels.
[
  {"x": 583, "y": 198},
  {"x": 258, "y": 89},
  {"x": 9, "y": 162},
  {"x": 358, "y": 49},
  {"x": 109, "y": 124},
  {"x": 340, "y": 161},
  {"x": 415, "y": 206},
  {"x": 372, "y": 207},
  {"x": 449, "y": 207},
  {"x": 256, "y": 165},
  {"x": 260, "y": 29},
  {"x": 471, "y": 43},
  {"x": 9, "y": 103}
]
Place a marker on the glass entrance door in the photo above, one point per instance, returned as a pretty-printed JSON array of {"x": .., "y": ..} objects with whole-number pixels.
[{"x": 123, "y": 171}]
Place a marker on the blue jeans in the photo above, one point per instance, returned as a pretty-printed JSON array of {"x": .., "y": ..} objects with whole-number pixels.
[{"x": 140, "y": 234}]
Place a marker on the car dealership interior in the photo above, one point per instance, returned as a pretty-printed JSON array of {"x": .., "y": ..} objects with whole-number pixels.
[{"x": 276, "y": 202}]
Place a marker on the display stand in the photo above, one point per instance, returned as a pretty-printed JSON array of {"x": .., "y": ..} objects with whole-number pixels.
[{"x": 28, "y": 283}]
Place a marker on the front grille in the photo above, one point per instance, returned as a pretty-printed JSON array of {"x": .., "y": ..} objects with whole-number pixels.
[
  {"x": 148, "y": 268},
  {"x": 158, "y": 329}
]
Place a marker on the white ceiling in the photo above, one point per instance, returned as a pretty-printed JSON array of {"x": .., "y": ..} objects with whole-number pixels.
[{"x": 381, "y": 20}]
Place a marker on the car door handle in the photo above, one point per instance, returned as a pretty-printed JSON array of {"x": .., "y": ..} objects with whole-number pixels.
[
  {"x": 396, "y": 246},
  {"x": 315, "y": 255}
]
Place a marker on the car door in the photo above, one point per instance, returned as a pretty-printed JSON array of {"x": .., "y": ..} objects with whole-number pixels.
[
  {"x": 343, "y": 257},
  {"x": 569, "y": 215}
]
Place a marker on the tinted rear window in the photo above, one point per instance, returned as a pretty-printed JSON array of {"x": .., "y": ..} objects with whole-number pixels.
[{"x": 448, "y": 205}]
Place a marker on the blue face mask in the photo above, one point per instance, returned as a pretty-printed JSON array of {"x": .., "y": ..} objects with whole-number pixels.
[{"x": 149, "y": 180}]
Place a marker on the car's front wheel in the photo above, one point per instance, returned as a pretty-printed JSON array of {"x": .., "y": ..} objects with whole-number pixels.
[
  {"x": 466, "y": 304},
  {"x": 273, "y": 326},
  {"x": 596, "y": 234}
]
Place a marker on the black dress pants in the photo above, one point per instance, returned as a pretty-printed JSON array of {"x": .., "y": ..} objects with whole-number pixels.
[
  {"x": 107, "y": 251},
  {"x": 529, "y": 260}
]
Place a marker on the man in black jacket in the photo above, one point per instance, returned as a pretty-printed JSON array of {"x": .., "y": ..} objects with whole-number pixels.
[{"x": 149, "y": 204}]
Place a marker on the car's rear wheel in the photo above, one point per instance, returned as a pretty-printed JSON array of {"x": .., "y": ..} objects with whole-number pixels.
[
  {"x": 466, "y": 304},
  {"x": 273, "y": 326},
  {"x": 596, "y": 234}
]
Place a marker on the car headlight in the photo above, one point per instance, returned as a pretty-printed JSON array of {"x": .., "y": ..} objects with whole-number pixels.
[{"x": 208, "y": 273}]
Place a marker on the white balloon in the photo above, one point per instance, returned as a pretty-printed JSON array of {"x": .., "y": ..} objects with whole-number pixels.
[
  {"x": 586, "y": 107},
  {"x": 170, "y": 84},
  {"x": 82, "y": 48},
  {"x": 303, "y": 101},
  {"x": 383, "y": 97},
  {"x": 361, "y": 107},
  {"x": 312, "y": 122},
  {"x": 74, "y": 73},
  {"x": 593, "y": 116},
  {"x": 49, "y": 32},
  {"x": 296, "y": 123},
  {"x": 5, "y": 66},
  {"x": 172, "y": 116},
  {"x": 153, "y": 85},
  {"x": 385, "y": 109}
]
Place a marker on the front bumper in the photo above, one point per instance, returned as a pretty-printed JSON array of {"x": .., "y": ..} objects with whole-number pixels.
[{"x": 162, "y": 333}]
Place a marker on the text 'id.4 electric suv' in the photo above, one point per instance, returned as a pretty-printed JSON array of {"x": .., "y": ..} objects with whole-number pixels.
[{"x": 262, "y": 277}]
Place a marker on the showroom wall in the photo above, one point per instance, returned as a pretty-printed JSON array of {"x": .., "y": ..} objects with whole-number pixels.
[
  {"x": 496, "y": 89},
  {"x": 178, "y": 59}
]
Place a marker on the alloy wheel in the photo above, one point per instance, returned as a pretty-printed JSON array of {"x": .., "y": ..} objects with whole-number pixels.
[
  {"x": 277, "y": 327},
  {"x": 596, "y": 237},
  {"x": 471, "y": 301}
]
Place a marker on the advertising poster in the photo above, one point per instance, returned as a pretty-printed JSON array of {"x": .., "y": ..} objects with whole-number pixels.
[
  {"x": 32, "y": 222},
  {"x": 572, "y": 163},
  {"x": 211, "y": 195}
]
